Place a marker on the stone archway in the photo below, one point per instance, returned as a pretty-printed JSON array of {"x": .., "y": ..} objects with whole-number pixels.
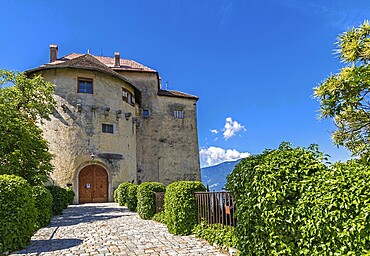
[{"x": 93, "y": 185}]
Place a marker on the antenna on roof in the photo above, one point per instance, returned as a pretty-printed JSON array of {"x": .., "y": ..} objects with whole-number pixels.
[
  {"x": 167, "y": 83},
  {"x": 101, "y": 50}
]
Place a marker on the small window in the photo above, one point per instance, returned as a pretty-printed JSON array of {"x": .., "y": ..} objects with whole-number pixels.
[
  {"x": 178, "y": 114},
  {"x": 124, "y": 94},
  {"x": 145, "y": 113},
  {"x": 107, "y": 128},
  {"x": 85, "y": 85}
]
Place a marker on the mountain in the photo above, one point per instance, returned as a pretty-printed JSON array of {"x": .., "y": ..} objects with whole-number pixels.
[{"x": 215, "y": 176}]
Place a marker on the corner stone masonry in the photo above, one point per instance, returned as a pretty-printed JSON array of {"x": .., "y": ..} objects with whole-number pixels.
[{"x": 108, "y": 229}]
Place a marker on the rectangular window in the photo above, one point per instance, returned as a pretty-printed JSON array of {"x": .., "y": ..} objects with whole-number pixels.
[
  {"x": 107, "y": 128},
  {"x": 124, "y": 94},
  {"x": 178, "y": 114},
  {"x": 85, "y": 85},
  {"x": 145, "y": 113}
]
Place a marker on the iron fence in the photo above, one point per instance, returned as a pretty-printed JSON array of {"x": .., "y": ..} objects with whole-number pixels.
[
  {"x": 159, "y": 202},
  {"x": 216, "y": 207}
]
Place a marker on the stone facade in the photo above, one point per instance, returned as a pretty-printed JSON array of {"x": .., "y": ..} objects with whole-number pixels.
[{"x": 112, "y": 113}]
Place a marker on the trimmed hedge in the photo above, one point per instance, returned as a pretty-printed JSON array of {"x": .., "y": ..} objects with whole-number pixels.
[
  {"x": 146, "y": 198},
  {"x": 160, "y": 217},
  {"x": 17, "y": 213},
  {"x": 122, "y": 193},
  {"x": 43, "y": 203},
  {"x": 60, "y": 199},
  {"x": 181, "y": 211},
  {"x": 132, "y": 197},
  {"x": 71, "y": 195}
]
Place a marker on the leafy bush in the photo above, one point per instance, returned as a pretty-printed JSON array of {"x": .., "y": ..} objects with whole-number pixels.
[
  {"x": 267, "y": 189},
  {"x": 146, "y": 198},
  {"x": 132, "y": 197},
  {"x": 160, "y": 217},
  {"x": 335, "y": 211},
  {"x": 115, "y": 195},
  {"x": 43, "y": 203},
  {"x": 71, "y": 195},
  {"x": 122, "y": 193},
  {"x": 60, "y": 199},
  {"x": 17, "y": 213},
  {"x": 223, "y": 236},
  {"x": 180, "y": 206}
]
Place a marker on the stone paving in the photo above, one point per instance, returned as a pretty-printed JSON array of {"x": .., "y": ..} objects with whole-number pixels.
[{"x": 108, "y": 229}]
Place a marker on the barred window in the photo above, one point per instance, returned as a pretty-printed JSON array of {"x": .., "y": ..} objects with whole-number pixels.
[
  {"x": 178, "y": 114},
  {"x": 107, "y": 128}
]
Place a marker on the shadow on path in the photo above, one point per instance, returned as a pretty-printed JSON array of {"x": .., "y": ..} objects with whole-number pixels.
[
  {"x": 39, "y": 246},
  {"x": 77, "y": 214}
]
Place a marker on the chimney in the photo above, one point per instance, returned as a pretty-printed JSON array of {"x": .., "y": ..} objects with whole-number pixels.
[
  {"x": 53, "y": 52},
  {"x": 117, "y": 62}
]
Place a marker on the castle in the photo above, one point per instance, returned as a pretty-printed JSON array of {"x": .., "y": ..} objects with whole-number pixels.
[{"x": 113, "y": 123}]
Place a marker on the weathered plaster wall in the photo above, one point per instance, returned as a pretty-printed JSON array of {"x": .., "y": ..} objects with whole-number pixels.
[{"x": 75, "y": 130}]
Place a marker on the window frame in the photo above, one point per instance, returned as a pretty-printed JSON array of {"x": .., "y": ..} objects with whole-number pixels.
[
  {"x": 178, "y": 113},
  {"x": 107, "y": 130},
  {"x": 86, "y": 80}
]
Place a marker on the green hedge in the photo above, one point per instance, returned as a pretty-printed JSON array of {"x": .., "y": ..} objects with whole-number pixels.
[
  {"x": 146, "y": 198},
  {"x": 181, "y": 212},
  {"x": 17, "y": 213},
  {"x": 122, "y": 193},
  {"x": 60, "y": 199},
  {"x": 223, "y": 236},
  {"x": 335, "y": 211},
  {"x": 267, "y": 190},
  {"x": 71, "y": 195},
  {"x": 132, "y": 197},
  {"x": 43, "y": 203},
  {"x": 160, "y": 217}
]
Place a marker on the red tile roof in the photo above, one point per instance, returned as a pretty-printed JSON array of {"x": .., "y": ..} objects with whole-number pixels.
[{"x": 109, "y": 62}]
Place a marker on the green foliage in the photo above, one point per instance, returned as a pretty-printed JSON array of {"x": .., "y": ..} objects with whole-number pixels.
[
  {"x": 122, "y": 193},
  {"x": 335, "y": 211},
  {"x": 43, "y": 202},
  {"x": 17, "y": 213},
  {"x": 132, "y": 197},
  {"x": 146, "y": 198},
  {"x": 223, "y": 236},
  {"x": 160, "y": 217},
  {"x": 267, "y": 190},
  {"x": 71, "y": 195},
  {"x": 180, "y": 206},
  {"x": 23, "y": 151},
  {"x": 60, "y": 199},
  {"x": 115, "y": 195},
  {"x": 345, "y": 96}
]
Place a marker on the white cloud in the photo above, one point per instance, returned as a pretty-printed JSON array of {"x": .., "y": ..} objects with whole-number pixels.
[
  {"x": 214, "y": 131},
  {"x": 231, "y": 128},
  {"x": 215, "y": 155}
]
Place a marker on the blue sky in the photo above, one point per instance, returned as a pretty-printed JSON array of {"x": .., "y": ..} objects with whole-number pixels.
[{"x": 253, "y": 63}]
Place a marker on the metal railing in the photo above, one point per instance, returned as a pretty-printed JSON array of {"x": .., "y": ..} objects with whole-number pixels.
[
  {"x": 159, "y": 202},
  {"x": 216, "y": 207}
]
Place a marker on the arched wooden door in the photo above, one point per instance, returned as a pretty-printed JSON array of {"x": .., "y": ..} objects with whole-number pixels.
[{"x": 93, "y": 185}]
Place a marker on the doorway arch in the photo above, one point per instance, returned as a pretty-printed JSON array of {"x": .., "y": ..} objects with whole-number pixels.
[{"x": 93, "y": 184}]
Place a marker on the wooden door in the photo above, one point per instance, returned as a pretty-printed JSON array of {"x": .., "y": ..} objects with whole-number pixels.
[{"x": 93, "y": 185}]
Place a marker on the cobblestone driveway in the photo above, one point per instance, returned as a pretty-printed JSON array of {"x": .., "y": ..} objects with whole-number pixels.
[{"x": 107, "y": 229}]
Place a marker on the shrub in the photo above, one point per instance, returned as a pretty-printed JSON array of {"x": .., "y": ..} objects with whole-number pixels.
[
  {"x": 267, "y": 190},
  {"x": 122, "y": 193},
  {"x": 17, "y": 213},
  {"x": 115, "y": 195},
  {"x": 223, "y": 236},
  {"x": 146, "y": 198},
  {"x": 43, "y": 203},
  {"x": 60, "y": 199},
  {"x": 160, "y": 217},
  {"x": 132, "y": 197},
  {"x": 180, "y": 206},
  {"x": 335, "y": 211},
  {"x": 71, "y": 195}
]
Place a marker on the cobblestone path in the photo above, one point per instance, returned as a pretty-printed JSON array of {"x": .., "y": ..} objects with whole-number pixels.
[{"x": 107, "y": 229}]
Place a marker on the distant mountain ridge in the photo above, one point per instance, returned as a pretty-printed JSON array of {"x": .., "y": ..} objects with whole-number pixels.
[{"x": 215, "y": 176}]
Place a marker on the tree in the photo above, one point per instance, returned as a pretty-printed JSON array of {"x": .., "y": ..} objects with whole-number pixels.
[
  {"x": 345, "y": 96},
  {"x": 23, "y": 104}
]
